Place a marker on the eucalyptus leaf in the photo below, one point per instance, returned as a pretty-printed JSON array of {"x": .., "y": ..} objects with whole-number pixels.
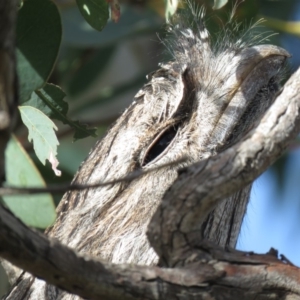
[
  {"x": 50, "y": 101},
  {"x": 39, "y": 34},
  {"x": 171, "y": 8},
  {"x": 219, "y": 4},
  {"x": 42, "y": 134},
  {"x": 34, "y": 210},
  {"x": 95, "y": 12}
]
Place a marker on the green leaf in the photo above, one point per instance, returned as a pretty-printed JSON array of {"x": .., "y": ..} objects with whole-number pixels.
[
  {"x": 171, "y": 8},
  {"x": 34, "y": 210},
  {"x": 95, "y": 12},
  {"x": 38, "y": 39},
  {"x": 50, "y": 100},
  {"x": 219, "y": 4},
  {"x": 41, "y": 132}
]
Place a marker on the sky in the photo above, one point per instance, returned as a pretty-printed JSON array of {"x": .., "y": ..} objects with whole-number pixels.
[{"x": 273, "y": 214}]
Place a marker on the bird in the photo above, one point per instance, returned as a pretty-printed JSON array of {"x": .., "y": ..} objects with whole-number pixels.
[{"x": 201, "y": 102}]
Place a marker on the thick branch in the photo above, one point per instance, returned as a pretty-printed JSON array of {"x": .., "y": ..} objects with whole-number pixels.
[
  {"x": 60, "y": 266},
  {"x": 201, "y": 187}
]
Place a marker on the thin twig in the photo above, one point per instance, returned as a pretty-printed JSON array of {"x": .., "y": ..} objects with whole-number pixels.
[{"x": 62, "y": 188}]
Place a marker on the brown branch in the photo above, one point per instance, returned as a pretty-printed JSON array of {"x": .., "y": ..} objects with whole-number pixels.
[
  {"x": 8, "y": 91},
  {"x": 61, "y": 266},
  {"x": 201, "y": 187},
  {"x": 8, "y": 88}
]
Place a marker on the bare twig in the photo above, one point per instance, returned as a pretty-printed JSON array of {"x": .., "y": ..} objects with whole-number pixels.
[{"x": 62, "y": 188}]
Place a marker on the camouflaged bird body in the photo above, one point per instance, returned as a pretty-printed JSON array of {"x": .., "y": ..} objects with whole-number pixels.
[{"x": 203, "y": 101}]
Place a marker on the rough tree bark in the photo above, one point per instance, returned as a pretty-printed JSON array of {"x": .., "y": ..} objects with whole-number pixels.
[{"x": 197, "y": 108}]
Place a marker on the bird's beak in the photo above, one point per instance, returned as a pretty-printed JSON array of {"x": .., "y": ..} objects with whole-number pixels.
[
  {"x": 251, "y": 58},
  {"x": 253, "y": 69}
]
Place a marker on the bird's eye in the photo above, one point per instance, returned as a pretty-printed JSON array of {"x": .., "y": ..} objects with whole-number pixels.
[{"x": 160, "y": 144}]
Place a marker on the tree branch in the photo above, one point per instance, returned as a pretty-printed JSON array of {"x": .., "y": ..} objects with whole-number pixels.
[
  {"x": 224, "y": 271},
  {"x": 8, "y": 88}
]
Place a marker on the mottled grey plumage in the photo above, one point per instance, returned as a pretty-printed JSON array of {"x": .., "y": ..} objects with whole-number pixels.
[{"x": 195, "y": 106}]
